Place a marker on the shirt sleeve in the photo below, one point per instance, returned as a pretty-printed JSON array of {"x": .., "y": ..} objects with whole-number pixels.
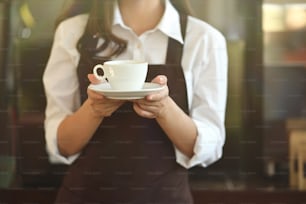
[
  {"x": 61, "y": 87},
  {"x": 208, "y": 102}
]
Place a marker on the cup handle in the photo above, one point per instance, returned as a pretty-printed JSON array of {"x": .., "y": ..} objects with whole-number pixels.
[{"x": 95, "y": 72}]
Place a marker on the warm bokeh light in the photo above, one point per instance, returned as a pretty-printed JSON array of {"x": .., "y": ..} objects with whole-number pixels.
[
  {"x": 273, "y": 18},
  {"x": 296, "y": 17},
  {"x": 281, "y": 17}
]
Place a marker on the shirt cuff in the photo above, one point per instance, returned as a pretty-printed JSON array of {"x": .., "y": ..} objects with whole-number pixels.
[
  {"x": 207, "y": 149},
  {"x": 52, "y": 148}
]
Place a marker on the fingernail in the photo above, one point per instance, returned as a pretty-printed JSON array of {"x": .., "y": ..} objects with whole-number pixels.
[{"x": 162, "y": 79}]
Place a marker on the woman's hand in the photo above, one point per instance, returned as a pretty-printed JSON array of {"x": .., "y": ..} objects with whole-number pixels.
[
  {"x": 100, "y": 105},
  {"x": 153, "y": 105}
]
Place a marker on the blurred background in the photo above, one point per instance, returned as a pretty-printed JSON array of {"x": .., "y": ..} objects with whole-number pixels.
[{"x": 266, "y": 97}]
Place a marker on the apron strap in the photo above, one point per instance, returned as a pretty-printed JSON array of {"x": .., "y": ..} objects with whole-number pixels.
[{"x": 175, "y": 56}]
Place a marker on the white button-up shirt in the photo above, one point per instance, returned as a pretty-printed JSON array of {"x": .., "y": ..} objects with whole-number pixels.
[{"x": 204, "y": 63}]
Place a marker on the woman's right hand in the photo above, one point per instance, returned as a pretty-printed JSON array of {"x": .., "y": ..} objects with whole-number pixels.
[{"x": 101, "y": 105}]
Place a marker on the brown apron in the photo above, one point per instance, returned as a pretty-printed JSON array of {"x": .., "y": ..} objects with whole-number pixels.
[{"x": 130, "y": 159}]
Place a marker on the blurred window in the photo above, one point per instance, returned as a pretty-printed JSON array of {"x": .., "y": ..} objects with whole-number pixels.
[{"x": 284, "y": 26}]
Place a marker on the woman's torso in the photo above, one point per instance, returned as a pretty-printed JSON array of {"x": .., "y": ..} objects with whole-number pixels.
[{"x": 129, "y": 158}]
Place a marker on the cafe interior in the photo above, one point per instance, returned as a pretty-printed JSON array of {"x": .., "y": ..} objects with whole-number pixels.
[{"x": 264, "y": 157}]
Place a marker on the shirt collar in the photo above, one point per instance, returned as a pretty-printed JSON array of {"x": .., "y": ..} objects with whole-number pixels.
[
  {"x": 117, "y": 16},
  {"x": 169, "y": 24}
]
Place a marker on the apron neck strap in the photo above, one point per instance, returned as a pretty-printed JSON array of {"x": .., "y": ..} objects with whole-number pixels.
[{"x": 175, "y": 48}]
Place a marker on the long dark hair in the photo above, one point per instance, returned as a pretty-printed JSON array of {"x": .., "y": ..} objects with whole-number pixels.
[{"x": 101, "y": 18}]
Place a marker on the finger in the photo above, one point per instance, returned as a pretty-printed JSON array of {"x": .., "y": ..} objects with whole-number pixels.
[
  {"x": 151, "y": 107},
  {"x": 143, "y": 113},
  {"x": 147, "y": 107},
  {"x": 93, "y": 79},
  {"x": 94, "y": 95},
  {"x": 160, "y": 79},
  {"x": 157, "y": 96}
]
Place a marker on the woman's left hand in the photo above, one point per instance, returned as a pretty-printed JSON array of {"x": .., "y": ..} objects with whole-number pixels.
[{"x": 153, "y": 105}]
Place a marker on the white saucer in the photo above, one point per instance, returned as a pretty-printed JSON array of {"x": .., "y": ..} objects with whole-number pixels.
[{"x": 106, "y": 90}]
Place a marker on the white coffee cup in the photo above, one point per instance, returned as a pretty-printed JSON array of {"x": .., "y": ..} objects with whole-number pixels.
[{"x": 124, "y": 75}]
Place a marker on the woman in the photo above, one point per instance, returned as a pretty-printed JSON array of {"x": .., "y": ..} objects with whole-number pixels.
[{"x": 135, "y": 151}]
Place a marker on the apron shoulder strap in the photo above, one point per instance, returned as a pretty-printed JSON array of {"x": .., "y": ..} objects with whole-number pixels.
[{"x": 175, "y": 48}]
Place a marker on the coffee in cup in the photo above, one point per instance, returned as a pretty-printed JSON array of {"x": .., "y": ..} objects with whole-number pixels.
[{"x": 124, "y": 75}]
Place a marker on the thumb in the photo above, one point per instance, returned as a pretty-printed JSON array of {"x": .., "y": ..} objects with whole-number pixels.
[
  {"x": 93, "y": 79},
  {"x": 160, "y": 79}
]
